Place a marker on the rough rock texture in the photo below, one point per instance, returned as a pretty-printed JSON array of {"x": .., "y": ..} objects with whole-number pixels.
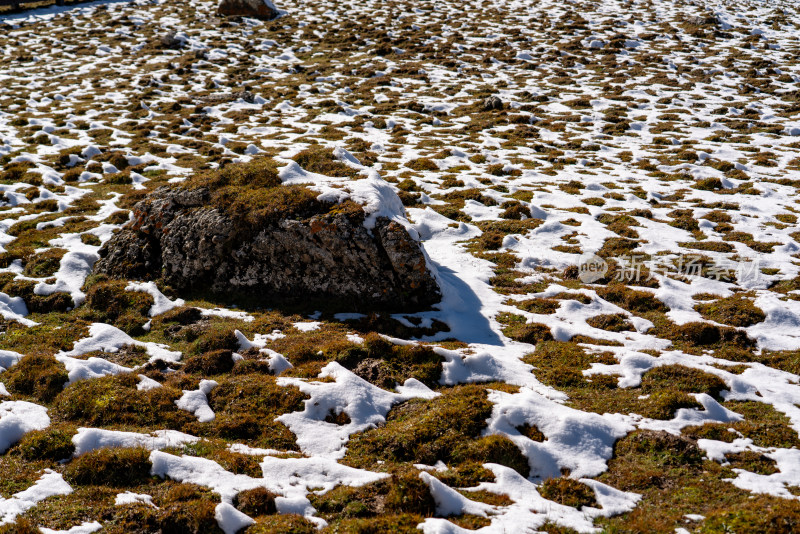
[
  {"x": 257, "y": 9},
  {"x": 492, "y": 103},
  {"x": 330, "y": 257}
]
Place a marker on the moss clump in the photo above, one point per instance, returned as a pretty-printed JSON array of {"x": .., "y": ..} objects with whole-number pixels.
[
  {"x": 465, "y": 475},
  {"x": 704, "y": 334},
  {"x": 22, "y": 525},
  {"x": 38, "y": 375},
  {"x": 214, "y": 362},
  {"x": 422, "y": 164},
  {"x": 403, "y": 493},
  {"x": 182, "y": 315},
  {"x": 737, "y": 310},
  {"x": 251, "y": 193},
  {"x": 613, "y": 322},
  {"x": 425, "y": 431},
  {"x": 189, "y": 517},
  {"x": 109, "y": 302},
  {"x": 759, "y": 514},
  {"x": 322, "y": 161},
  {"x": 288, "y": 523},
  {"x": 247, "y": 405},
  {"x": 630, "y": 299},
  {"x": 386, "y": 364},
  {"x": 540, "y": 306},
  {"x": 110, "y": 467},
  {"x": 568, "y": 492},
  {"x": 215, "y": 337},
  {"x": 754, "y": 462},
  {"x": 664, "y": 404},
  {"x": 57, "y": 302},
  {"x": 660, "y": 447},
  {"x": 116, "y": 400},
  {"x": 446, "y": 428},
  {"x": 45, "y": 263},
  {"x": 54, "y": 443},
  {"x": 257, "y": 173},
  {"x": 762, "y": 423},
  {"x": 515, "y": 211},
  {"x": 519, "y": 330},
  {"x": 493, "y": 449},
  {"x": 559, "y": 363},
  {"x": 683, "y": 379},
  {"x": 255, "y": 502}
]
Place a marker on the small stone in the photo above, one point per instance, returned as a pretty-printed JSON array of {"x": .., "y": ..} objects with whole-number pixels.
[
  {"x": 492, "y": 103},
  {"x": 169, "y": 40}
]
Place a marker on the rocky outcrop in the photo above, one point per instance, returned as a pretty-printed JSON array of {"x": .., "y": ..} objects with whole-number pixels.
[
  {"x": 257, "y": 9},
  {"x": 178, "y": 235}
]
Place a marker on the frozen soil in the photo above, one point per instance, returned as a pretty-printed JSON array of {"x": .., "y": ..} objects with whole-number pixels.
[{"x": 661, "y": 395}]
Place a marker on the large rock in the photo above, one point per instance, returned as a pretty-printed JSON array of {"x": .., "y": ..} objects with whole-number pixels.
[
  {"x": 257, "y": 9},
  {"x": 328, "y": 258}
]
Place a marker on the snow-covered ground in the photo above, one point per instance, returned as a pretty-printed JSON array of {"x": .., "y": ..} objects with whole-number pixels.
[{"x": 657, "y": 141}]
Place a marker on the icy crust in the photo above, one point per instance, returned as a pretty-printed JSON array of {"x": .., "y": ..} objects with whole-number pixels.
[
  {"x": 377, "y": 197},
  {"x": 365, "y": 404},
  {"x": 17, "y": 418},
  {"x": 529, "y": 509},
  {"x": 292, "y": 478},
  {"x": 106, "y": 338},
  {"x": 89, "y": 439},
  {"x": 49, "y": 485}
]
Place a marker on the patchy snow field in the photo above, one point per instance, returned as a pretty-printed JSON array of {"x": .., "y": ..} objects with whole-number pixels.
[{"x": 607, "y": 192}]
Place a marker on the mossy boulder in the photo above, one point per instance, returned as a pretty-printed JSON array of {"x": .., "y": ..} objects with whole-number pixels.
[{"x": 238, "y": 233}]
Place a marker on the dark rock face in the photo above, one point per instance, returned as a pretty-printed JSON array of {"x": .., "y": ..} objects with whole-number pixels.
[
  {"x": 330, "y": 257},
  {"x": 492, "y": 103},
  {"x": 257, "y": 9}
]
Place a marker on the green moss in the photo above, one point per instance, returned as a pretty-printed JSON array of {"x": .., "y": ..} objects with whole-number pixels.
[
  {"x": 210, "y": 363},
  {"x": 252, "y": 193},
  {"x": 762, "y": 423},
  {"x": 189, "y": 517},
  {"x": 54, "y": 443},
  {"x": 215, "y": 337},
  {"x": 422, "y": 164},
  {"x": 737, "y": 310},
  {"x": 110, "y": 467},
  {"x": 568, "y": 492},
  {"x": 255, "y": 502},
  {"x": 45, "y": 263},
  {"x": 540, "y": 306},
  {"x": 753, "y": 462},
  {"x": 386, "y": 364},
  {"x": 116, "y": 400},
  {"x": 632, "y": 300},
  {"x": 760, "y": 514},
  {"x": 528, "y": 332},
  {"x": 683, "y": 379},
  {"x": 615, "y": 322},
  {"x": 322, "y": 161},
  {"x": 493, "y": 449},
  {"x": 38, "y": 375},
  {"x": 402, "y": 493},
  {"x": 109, "y": 302},
  {"x": 246, "y": 406},
  {"x": 445, "y": 428},
  {"x": 56, "y": 302}
]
